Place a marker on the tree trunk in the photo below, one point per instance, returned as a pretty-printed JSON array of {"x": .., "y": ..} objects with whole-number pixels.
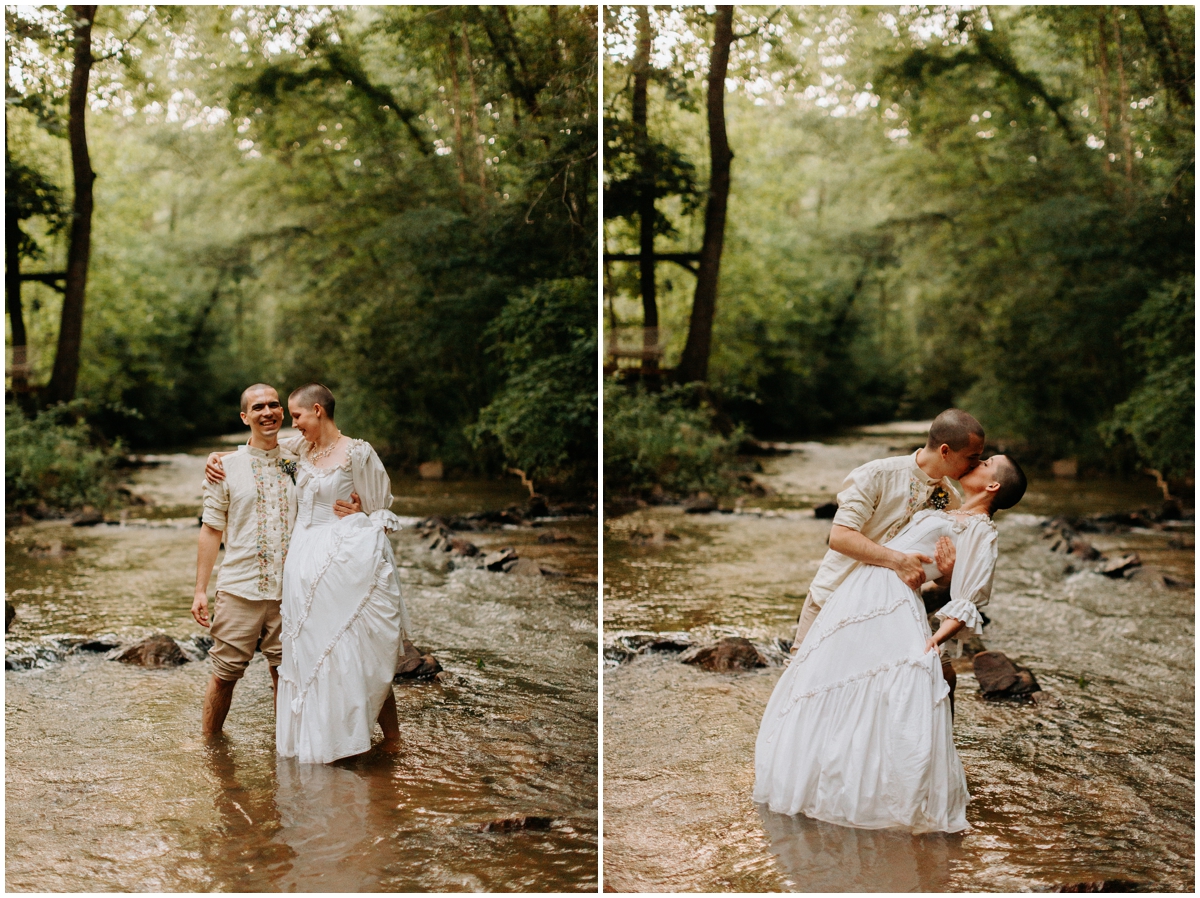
[
  {"x": 1102, "y": 88},
  {"x": 70, "y": 334},
  {"x": 1166, "y": 52},
  {"x": 460, "y": 148},
  {"x": 475, "y": 132},
  {"x": 12, "y": 293},
  {"x": 1123, "y": 97},
  {"x": 646, "y": 215},
  {"x": 694, "y": 364}
]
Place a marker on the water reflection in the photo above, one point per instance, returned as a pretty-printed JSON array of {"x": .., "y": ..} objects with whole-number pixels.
[
  {"x": 1094, "y": 783},
  {"x": 511, "y": 731},
  {"x": 821, "y": 857},
  {"x": 323, "y": 812}
]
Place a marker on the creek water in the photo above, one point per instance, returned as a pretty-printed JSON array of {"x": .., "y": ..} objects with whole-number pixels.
[
  {"x": 109, "y": 785},
  {"x": 1094, "y": 783}
]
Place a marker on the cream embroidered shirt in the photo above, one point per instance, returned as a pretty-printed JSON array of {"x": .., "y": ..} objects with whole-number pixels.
[
  {"x": 255, "y": 507},
  {"x": 877, "y": 499}
]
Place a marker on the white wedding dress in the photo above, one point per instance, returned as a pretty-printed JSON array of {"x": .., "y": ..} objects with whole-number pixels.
[
  {"x": 343, "y": 616},
  {"x": 858, "y": 730}
]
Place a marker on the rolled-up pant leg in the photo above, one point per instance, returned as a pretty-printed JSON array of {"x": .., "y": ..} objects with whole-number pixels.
[{"x": 808, "y": 615}]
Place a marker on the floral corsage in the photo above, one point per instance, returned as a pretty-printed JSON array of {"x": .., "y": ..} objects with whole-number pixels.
[
  {"x": 939, "y": 498},
  {"x": 289, "y": 467}
]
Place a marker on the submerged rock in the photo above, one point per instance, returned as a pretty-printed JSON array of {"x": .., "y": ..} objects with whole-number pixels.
[
  {"x": 495, "y": 561},
  {"x": 416, "y": 665},
  {"x": 105, "y": 643},
  {"x": 515, "y": 824},
  {"x": 730, "y": 653},
  {"x": 196, "y": 647},
  {"x": 553, "y": 536},
  {"x": 1117, "y": 567},
  {"x": 154, "y": 651},
  {"x": 525, "y": 567},
  {"x": 1105, "y": 885},
  {"x": 620, "y": 647},
  {"x": 825, "y": 511},
  {"x": 9, "y": 613},
  {"x": 999, "y": 677},
  {"x": 88, "y": 517}
]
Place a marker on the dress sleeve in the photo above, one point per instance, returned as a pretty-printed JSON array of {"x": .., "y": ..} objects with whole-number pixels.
[
  {"x": 373, "y": 485},
  {"x": 971, "y": 583},
  {"x": 858, "y": 497},
  {"x": 216, "y": 505}
]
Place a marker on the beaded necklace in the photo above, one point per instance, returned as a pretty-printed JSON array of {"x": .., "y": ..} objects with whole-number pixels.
[{"x": 315, "y": 456}]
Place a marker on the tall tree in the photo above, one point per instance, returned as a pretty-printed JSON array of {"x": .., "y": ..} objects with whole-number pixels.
[
  {"x": 693, "y": 366},
  {"x": 70, "y": 334},
  {"x": 646, "y": 212}
]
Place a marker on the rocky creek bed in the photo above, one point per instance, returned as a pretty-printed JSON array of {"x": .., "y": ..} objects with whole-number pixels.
[
  {"x": 109, "y": 785},
  {"x": 1082, "y": 783}
]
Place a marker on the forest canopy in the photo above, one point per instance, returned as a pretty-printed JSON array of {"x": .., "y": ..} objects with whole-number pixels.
[
  {"x": 353, "y": 195},
  {"x": 990, "y": 207}
]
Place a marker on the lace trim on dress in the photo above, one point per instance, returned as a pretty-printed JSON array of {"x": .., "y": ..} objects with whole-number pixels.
[
  {"x": 293, "y": 631},
  {"x": 355, "y": 444},
  {"x": 965, "y": 611},
  {"x": 381, "y": 581},
  {"x": 808, "y": 647}
]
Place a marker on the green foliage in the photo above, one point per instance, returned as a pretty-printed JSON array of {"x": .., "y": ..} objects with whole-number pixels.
[
  {"x": 544, "y": 416},
  {"x": 347, "y": 195},
  {"x": 53, "y": 460},
  {"x": 28, "y": 193},
  {"x": 1160, "y": 413},
  {"x": 935, "y": 207},
  {"x": 667, "y": 439}
]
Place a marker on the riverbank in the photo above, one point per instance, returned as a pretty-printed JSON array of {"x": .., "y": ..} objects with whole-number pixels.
[
  {"x": 110, "y": 786},
  {"x": 1092, "y": 784}
]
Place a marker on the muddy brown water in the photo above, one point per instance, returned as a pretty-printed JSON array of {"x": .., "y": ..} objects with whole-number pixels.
[
  {"x": 1096, "y": 783},
  {"x": 110, "y": 787}
]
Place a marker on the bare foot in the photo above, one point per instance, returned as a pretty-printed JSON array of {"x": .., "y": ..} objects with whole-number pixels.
[{"x": 389, "y": 746}]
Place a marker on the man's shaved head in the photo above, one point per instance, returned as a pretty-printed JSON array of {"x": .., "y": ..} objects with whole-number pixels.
[
  {"x": 954, "y": 427},
  {"x": 251, "y": 389}
]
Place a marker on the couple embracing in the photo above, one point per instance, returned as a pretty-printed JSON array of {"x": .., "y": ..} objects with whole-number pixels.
[
  {"x": 308, "y": 577},
  {"x": 858, "y": 730}
]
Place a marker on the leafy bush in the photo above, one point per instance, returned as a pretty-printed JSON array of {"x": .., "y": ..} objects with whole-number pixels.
[
  {"x": 544, "y": 417},
  {"x": 51, "y": 460},
  {"x": 1160, "y": 413},
  {"x": 665, "y": 438}
]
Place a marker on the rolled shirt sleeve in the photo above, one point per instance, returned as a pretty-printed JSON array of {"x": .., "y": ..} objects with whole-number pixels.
[
  {"x": 858, "y": 498},
  {"x": 971, "y": 583},
  {"x": 215, "y": 512}
]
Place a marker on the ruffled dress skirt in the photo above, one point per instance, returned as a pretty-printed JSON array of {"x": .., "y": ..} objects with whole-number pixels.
[
  {"x": 858, "y": 729},
  {"x": 343, "y": 625}
]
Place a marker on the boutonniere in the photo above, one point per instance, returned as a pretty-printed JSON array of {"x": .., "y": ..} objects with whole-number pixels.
[
  {"x": 939, "y": 498},
  {"x": 289, "y": 468}
]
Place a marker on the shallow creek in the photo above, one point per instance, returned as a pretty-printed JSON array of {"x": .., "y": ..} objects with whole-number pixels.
[
  {"x": 110, "y": 787},
  {"x": 1094, "y": 783}
]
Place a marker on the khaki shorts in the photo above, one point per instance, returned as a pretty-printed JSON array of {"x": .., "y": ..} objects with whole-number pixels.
[{"x": 239, "y": 626}]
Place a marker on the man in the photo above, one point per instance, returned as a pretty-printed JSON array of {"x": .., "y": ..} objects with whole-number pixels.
[
  {"x": 252, "y": 509},
  {"x": 879, "y": 498}
]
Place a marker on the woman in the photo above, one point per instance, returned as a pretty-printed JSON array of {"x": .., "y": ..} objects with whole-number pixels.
[
  {"x": 858, "y": 729},
  {"x": 344, "y": 619}
]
